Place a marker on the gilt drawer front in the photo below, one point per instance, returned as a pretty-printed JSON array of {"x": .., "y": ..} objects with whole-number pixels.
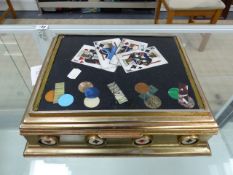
[{"x": 93, "y": 145}]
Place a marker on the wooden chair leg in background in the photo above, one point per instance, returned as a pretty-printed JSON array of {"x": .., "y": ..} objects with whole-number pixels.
[
  {"x": 11, "y": 8},
  {"x": 191, "y": 19},
  {"x": 3, "y": 16},
  {"x": 170, "y": 16},
  {"x": 157, "y": 11},
  {"x": 215, "y": 17},
  {"x": 6, "y": 13}
]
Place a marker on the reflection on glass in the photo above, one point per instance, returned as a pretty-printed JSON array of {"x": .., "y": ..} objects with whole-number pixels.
[{"x": 39, "y": 167}]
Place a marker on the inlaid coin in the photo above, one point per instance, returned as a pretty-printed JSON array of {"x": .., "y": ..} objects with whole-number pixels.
[
  {"x": 92, "y": 92},
  {"x": 187, "y": 103},
  {"x": 173, "y": 93},
  {"x": 65, "y": 100},
  {"x": 84, "y": 85},
  {"x": 49, "y": 96},
  {"x": 91, "y": 102},
  {"x": 153, "y": 89},
  {"x": 153, "y": 102},
  {"x": 141, "y": 88}
]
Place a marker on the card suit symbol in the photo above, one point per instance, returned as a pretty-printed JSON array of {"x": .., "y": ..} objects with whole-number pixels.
[
  {"x": 92, "y": 51},
  {"x": 97, "y": 62},
  {"x": 140, "y": 68},
  {"x": 96, "y": 141},
  {"x": 142, "y": 141},
  {"x": 133, "y": 67},
  {"x": 47, "y": 141}
]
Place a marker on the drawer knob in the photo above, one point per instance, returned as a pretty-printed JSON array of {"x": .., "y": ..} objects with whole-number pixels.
[
  {"x": 188, "y": 140},
  {"x": 95, "y": 140},
  {"x": 144, "y": 140},
  {"x": 48, "y": 140}
]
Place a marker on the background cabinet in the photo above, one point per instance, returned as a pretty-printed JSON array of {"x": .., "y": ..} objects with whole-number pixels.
[{"x": 95, "y": 4}]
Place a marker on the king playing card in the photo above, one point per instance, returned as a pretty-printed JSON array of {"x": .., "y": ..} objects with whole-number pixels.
[
  {"x": 139, "y": 60},
  {"x": 87, "y": 56},
  {"x": 106, "y": 51},
  {"x": 128, "y": 45}
]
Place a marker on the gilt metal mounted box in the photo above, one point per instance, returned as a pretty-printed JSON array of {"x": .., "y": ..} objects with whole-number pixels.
[{"x": 111, "y": 128}]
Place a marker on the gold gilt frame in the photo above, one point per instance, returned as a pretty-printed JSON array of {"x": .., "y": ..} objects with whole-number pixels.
[{"x": 52, "y": 56}]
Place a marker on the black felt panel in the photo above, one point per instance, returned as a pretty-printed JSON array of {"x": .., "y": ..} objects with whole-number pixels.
[{"x": 163, "y": 77}]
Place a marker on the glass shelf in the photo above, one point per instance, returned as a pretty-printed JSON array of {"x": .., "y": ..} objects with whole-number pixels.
[{"x": 24, "y": 46}]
